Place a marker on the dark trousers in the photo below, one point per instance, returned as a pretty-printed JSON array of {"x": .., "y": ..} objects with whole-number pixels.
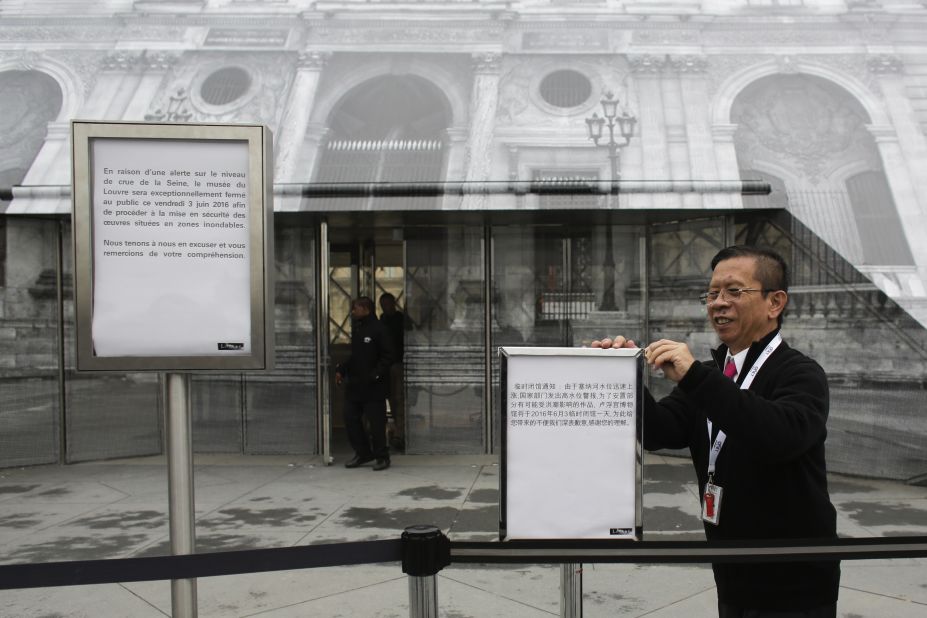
[
  {"x": 375, "y": 413},
  {"x": 732, "y": 611}
]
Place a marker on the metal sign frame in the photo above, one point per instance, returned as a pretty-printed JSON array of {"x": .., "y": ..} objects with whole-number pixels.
[
  {"x": 564, "y": 355},
  {"x": 260, "y": 235}
]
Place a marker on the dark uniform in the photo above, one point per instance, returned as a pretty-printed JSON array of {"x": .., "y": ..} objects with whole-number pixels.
[{"x": 366, "y": 373}]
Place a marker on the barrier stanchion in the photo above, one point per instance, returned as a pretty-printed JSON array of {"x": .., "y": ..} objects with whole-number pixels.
[
  {"x": 180, "y": 487},
  {"x": 425, "y": 551},
  {"x": 571, "y": 590}
]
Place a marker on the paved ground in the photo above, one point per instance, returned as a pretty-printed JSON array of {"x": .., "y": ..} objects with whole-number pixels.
[{"x": 119, "y": 509}]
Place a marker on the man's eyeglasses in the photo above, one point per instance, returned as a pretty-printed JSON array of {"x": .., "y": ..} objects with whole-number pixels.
[{"x": 730, "y": 293}]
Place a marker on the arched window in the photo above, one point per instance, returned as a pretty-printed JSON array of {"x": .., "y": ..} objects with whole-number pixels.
[
  {"x": 388, "y": 129},
  {"x": 882, "y": 237},
  {"x": 29, "y": 101}
]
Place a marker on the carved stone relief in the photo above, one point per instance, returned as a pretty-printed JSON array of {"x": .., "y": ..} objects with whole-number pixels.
[
  {"x": 514, "y": 99},
  {"x": 521, "y": 104},
  {"x": 721, "y": 68},
  {"x": 648, "y": 63},
  {"x": 801, "y": 122},
  {"x": 121, "y": 60},
  {"x": 884, "y": 64},
  {"x": 270, "y": 74},
  {"x": 404, "y": 35},
  {"x": 313, "y": 60}
]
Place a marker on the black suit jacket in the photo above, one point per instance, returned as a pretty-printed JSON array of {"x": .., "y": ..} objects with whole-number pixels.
[
  {"x": 771, "y": 468},
  {"x": 367, "y": 370}
]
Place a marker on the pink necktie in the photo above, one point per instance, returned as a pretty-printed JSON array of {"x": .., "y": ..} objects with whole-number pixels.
[{"x": 730, "y": 369}]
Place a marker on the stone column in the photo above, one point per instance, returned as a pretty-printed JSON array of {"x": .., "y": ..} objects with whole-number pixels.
[
  {"x": 646, "y": 70},
  {"x": 704, "y": 164},
  {"x": 889, "y": 71},
  {"x": 651, "y": 128},
  {"x": 51, "y": 165},
  {"x": 154, "y": 66},
  {"x": 119, "y": 75},
  {"x": 677, "y": 150},
  {"x": 483, "y": 102},
  {"x": 291, "y": 134},
  {"x": 722, "y": 136},
  {"x": 456, "y": 164}
]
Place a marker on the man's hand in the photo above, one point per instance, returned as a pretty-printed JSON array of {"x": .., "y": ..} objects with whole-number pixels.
[
  {"x": 617, "y": 342},
  {"x": 672, "y": 357},
  {"x": 338, "y": 378}
]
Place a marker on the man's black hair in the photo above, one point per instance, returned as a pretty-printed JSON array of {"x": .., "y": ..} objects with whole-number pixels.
[
  {"x": 771, "y": 270},
  {"x": 366, "y": 302}
]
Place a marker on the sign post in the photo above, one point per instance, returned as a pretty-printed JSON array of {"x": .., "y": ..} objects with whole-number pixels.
[
  {"x": 173, "y": 252},
  {"x": 180, "y": 487}
]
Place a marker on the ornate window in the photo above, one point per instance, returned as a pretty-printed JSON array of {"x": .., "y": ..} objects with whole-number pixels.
[
  {"x": 556, "y": 201},
  {"x": 225, "y": 86},
  {"x": 565, "y": 88},
  {"x": 881, "y": 231}
]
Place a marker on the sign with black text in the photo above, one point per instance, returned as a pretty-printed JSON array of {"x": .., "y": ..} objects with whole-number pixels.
[
  {"x": 172, "y": 230},
  {"x": 571, "y": 455}
]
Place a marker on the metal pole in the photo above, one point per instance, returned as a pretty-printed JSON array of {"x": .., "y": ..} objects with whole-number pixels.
[
  {"x": 571, "y": 590},
  {"x": 488, "y": 274},
  {"x": 322, "y": 338},
  {"x": 423, "y": 597},
  {"x": 62, "y": 400},
  {"x": 425, "y": 551},
  {"x": 180, "y": 487}
]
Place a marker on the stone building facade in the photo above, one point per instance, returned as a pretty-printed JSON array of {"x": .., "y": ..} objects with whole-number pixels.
[{"x": 826, "y": 101}]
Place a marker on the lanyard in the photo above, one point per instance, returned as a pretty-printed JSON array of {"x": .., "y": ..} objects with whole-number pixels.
[{"x": 719, "y": 440}]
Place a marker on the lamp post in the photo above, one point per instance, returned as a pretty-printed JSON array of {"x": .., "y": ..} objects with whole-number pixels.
[{"x": 624, "y": 123}]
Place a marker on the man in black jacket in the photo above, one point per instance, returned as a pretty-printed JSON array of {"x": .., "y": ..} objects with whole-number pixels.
[
  {"x": 755, "y": 431},
  {"x": 365, "y": 376}
]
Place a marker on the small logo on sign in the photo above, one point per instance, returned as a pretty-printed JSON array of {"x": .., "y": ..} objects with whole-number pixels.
[
  {"x": 619, "y": 531},
  {"x": 231, "y": 346},
  {"x": 368, "y": 339}
]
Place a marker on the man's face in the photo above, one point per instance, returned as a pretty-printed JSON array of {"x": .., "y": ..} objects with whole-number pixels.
[
  {"x": 387, "y": 305},
  {"x": 749, "y": 318},
  {"x": 359, "y": 311}
]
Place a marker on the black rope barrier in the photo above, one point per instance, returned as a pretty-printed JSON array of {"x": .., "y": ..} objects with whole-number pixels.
[
  {"x": 83, "y": 572},
  {"x": 779, "y": 550}
]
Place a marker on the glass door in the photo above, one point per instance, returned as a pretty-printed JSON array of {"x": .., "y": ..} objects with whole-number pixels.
[{"x": 362, "y": 262}]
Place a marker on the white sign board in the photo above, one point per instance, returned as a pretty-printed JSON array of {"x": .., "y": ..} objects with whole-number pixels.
[
  {"x": 172, "y": 219},
  {"x": 571, "y": 457},
  {"x": 171, "y": 248}
]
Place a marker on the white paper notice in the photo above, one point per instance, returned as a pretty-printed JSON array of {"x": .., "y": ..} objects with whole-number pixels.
[
  {"x": 571, "y": 447},
  {"x": 171, "y": 263}
]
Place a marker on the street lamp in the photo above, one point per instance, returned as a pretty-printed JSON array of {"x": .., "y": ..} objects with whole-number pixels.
[{"x": 624, "y": 122}]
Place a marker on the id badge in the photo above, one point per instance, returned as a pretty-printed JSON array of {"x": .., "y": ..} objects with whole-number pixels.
[{"x": 711, "y": 504}]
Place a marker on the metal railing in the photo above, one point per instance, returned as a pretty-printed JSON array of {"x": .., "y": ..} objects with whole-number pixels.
[{"x": 423, "y": 551}]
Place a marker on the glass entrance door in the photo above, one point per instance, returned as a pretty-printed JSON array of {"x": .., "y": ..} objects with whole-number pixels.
[{"x": 362, "y": 262}]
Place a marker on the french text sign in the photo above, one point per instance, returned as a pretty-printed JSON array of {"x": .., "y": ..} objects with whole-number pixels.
[{"x": 171, "y": 239}]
